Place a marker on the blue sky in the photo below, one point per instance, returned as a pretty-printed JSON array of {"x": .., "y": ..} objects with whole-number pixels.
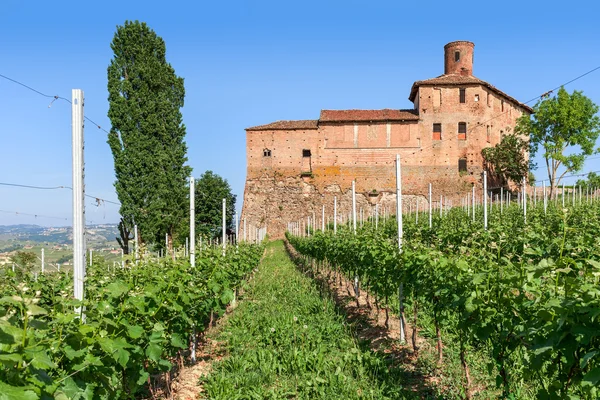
[{"x": 247, "y": 63}]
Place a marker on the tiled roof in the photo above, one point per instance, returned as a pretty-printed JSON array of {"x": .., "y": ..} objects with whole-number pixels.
[
  {"x": 286, "y": 125},
  {"x": 453, "y": 79},
  {"x": 368, "y": 115}
]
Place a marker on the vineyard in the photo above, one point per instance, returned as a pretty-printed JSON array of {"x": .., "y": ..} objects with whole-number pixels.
[
  {"x": 522, "y": 295},
  {"x": 140, "y": 321}
]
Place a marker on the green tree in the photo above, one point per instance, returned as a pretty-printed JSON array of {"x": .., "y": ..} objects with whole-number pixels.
[
  {"x": 25, "y": 260},
  {"x": 592, "y": 181},
  {"x": 508, "y": 159},
  {"x": 147, "y": 135},
  {"x": 565, "y": 127},
  {"x": 210, "y": 191}
]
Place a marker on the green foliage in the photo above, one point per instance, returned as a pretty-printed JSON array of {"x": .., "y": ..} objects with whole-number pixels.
[
  {"x": 525, "y": 295},
  {"x": 137, "y": 319},
  {"x": 561, "y": 123},
  {"x": 210, "y": 191},
  {"x": 592, "y": 181},
  {"x": 507, "y": 160},
  {"x": 25, "y": 260},
  {"x": 65, "y": 258},
  {"x": 147, "y": 134},
  {"x": 286, "y": 341}
]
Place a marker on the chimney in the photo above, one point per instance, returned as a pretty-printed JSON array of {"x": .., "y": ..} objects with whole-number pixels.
[{"x": 458, "y": 58}]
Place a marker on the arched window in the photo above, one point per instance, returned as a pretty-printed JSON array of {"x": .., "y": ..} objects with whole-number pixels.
[{"x": 266, "y": 153}]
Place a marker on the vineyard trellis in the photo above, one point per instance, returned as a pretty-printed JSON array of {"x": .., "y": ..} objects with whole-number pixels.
[{"x": 524, "y": 292}]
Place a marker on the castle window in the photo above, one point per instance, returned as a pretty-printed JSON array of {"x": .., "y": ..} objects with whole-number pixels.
[
  {"x": 306, "y": 153},
  {"x": 437, "y": 131},
  {"x": 462, "y": 131},
  {"x": 266, "y": 153},
  {"x": 456, "y": 56},
  {"x": 462, "y": 95},
  {"x": 502, "y": 105},
  {"x": 462, "y": 165},
  {"x": 476, "y": 97}
]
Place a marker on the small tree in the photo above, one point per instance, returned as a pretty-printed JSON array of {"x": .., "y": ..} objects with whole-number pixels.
[
  {"x": 566, "y": 121},
  {"x": 592, "y": 181},
  {"x": 508, "y": 159},
  {"x": 210, "y": 191},
  {"x": 25, "y": 260}
]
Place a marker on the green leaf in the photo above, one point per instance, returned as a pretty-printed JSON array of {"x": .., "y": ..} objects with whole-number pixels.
[
  {"x": 154, "y": 351},
  {"x": 118, "y": 288},
  {"x": 135, "y": 331},
  {"x": 585, "y": 359},
  {"x": 8, "y": 392},
  {"x": 116, "y": 349},
  {"x": 33, "y": 309},
  {"x": 177, "y": 341},
  {"x": 227, "y": 296},
  {"x": 592, "y": 377},
  {"x": 594, "y": 263},
  {"x": 143, "y": 378},
  {"x": 9, "y": 360},
  {"x": 40, "y": 359}
]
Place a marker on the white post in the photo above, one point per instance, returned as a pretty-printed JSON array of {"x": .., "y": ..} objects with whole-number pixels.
[
  {"x": 193, "y": 249},
  {"x": 524, "y": 200},
  {"x": 354, "y": 206},
  {"x": 91, "y": 256},
  {"x": 237, "y": 228},
  {"x": 441, "y": 205},
  {"x": 485, "y": 222},
  {"x": 430, "y": 209},
  {"x": 77, "y": 124},
  {"x": 417, "y": 213},
  {"x": 545, "y": 202},
  {"x": 376, "y": 216},
  {"x": 122, "y": 259},
  {"x": 501, "y": 199},
  {"x": 135, "y": 241},
  {"x": 192, "y": 222},
  {"x": 223, "y": 227},
  {"x": 473, "y": 202},
  {"x": 399, "y": 201},
  {"x": 334, "y": 215},
  {"x": 400, "y": 234},
  {"x": 323, "y": 219},
  {"x": 563, "y": 195},
  {"x": 78, "y": 196},
  {"x": 43, "y": 266},
  {"x": 166, "y": 246}
]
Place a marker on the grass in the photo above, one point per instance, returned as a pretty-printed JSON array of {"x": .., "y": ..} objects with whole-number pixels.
[{"x": 286, "y": 341}]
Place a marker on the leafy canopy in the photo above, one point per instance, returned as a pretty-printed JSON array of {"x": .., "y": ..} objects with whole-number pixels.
[
  {"x": 210, "y": 191},
  {"x": 147, "y": 134},
  {"x": 565, "y": 128},
  {"x": 592, "y": 181},
  {"x": 508, "y": 159}
]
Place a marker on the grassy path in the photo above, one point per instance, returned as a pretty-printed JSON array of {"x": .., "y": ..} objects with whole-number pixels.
[{"x": 285, "y": 341}]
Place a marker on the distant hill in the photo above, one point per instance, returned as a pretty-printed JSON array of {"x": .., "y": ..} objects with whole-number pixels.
[{"x": 96, "y": 234}]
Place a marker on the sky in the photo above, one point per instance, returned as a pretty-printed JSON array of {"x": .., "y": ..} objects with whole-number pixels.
[{"x": 248, "y": 63}]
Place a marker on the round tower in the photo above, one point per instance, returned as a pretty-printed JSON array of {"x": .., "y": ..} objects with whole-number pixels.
[{"x": 458, "y": 58}]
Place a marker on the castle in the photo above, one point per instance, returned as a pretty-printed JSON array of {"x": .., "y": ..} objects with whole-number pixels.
[{"x": 296, "y": 167}]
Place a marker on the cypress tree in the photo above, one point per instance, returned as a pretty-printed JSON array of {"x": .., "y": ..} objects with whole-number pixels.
[{"x": 147, "y": 135}]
